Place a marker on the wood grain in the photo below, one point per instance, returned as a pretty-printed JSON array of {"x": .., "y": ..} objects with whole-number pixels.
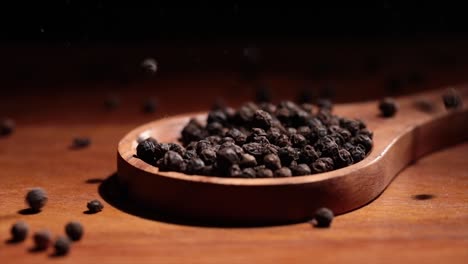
[{"x": 421, "y": 218}]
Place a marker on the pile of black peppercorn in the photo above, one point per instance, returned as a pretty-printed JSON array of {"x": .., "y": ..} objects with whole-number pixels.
[{"x": 263, "y": 141}]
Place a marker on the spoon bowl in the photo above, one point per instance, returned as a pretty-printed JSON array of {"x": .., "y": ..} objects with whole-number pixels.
[{"x": 398, "y": 141}]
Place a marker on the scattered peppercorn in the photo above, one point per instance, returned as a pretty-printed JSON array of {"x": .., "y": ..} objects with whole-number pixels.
[
  {"x": 81, "y": 142},
  {"x": 95, "y": 206},
  {"x": 36, "y": 199},
  {"x": 74, "y": 230},
  {"x": 452, "y": 99},
  {"x": 42, "y": 239},
  {"x": 388, "y": 107},
  {"x": 323, "y": 217},
  {"x": 150, "y": 105},
  {"x": 19, "y": 231},
  {"x": 62, "y": 246},
  {"x": 262, "y": 141},
  {"x": 111, "y": 102},
  {"x": 7, "y": 126}
]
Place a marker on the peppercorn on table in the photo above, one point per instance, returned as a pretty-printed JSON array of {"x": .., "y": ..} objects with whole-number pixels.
[{"x": 421, "y": 217}]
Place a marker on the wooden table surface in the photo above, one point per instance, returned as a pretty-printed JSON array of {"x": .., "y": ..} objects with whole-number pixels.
[{"x": 421, "y": 218}]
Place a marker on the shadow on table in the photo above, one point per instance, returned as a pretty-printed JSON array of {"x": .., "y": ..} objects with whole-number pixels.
[{"x": 114, "y": 194}]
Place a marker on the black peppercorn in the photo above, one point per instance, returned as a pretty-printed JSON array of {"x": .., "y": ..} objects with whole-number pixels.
[
  {"x": 7, "y": 126},
  {"x": 247, "y": 161},
  {"x": 62, "y": 246},
  {"x": 177, "y": 148},
  {"x": 195, "y": 165},
  {"x": 343, "y": 158},
  {"x": 172, "y": 161},
  {"x": 235, "y": 171},
  {"x": 388, "y": 107},
  {"x": 74, "y": 230},
  {"x": 36, "y": 199},
  {"x": 283, "y": 172},
  {"x": 19, "y": 231},
  {"x": 150, "y": 105},
  {"x": 111, "y": 102},
  {"x": 81, "y": 142},
  {"x": 217, "y": 116},
  {"x": 363, "y": 140},
  {"x": 95, "y": 206},
  {"x": 264, "y": 173},
  {"x": 300, "y": 169},
  {"x": 272, "y": 162},
  {"x": 255, "y": 149},
  {"x": 323, "y": 217},
  {"x": 452, "y": 99},
  {"x": 298, "y": 140},
  {"x": 149, "y": 66},
  {"x": 287, "y": 155},
  {"x": 146, "y": 150},
  {"x": 226, "y": 157},
  {"x": 308, "y": 154},
  {"x": 358, "y": 153},
  {"x": 261, "y": 119},
  {"x": 42, "y": 239},
  {"x": 237, "y": 135},
  {"x": 249, "y": 173},
  {"x": 322, "y": 165},
  {"x": 208, "y": 155}
]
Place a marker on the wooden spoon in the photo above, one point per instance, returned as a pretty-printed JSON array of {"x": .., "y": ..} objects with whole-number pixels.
[{"x": 415, "y": 131}]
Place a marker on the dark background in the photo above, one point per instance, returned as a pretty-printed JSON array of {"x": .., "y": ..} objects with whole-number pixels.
[{"x": 359, "y": 51}]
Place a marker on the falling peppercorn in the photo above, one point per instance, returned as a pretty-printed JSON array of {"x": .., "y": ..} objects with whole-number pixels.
[
  {"x": 452, "y": 99},
  {"x": 7, "y": 126},
  {"x": 388, "y": 107}
]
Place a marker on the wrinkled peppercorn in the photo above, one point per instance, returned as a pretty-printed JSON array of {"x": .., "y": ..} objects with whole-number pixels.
[
  {"x": 146, "y": 150},
  {"x": 272, "y": 162},
  {"x": 452, "y": 99},
  {"x": 42, "y": 239},
  {"x": 263, "y": 140},
  {"x": 62, "y": 246},
  {"x": 388, "y": 107},
  {"x": 287, "y": 155},
  {"x": 195, "y": 165},
  {"x": 7, "y": 126},
  {"x": 36, "y": 199},
  {"x": 19, "y": 231},
  {"x": 343, "y": 158},
  {"x": 172, "y": 161},
  {"x": 322, "y": 165},
  {"x": 247, "y": 160},
  {"x": 95, "y": 206},
  {"x": 74, "y": 230},
  {"x": 283, "y": 172},
  {"x": 264, "y": 173},
  {"x": 300, "y": 169},
  {"x": 323, "y": 217},
  {"x": 249, "y": 173}
]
